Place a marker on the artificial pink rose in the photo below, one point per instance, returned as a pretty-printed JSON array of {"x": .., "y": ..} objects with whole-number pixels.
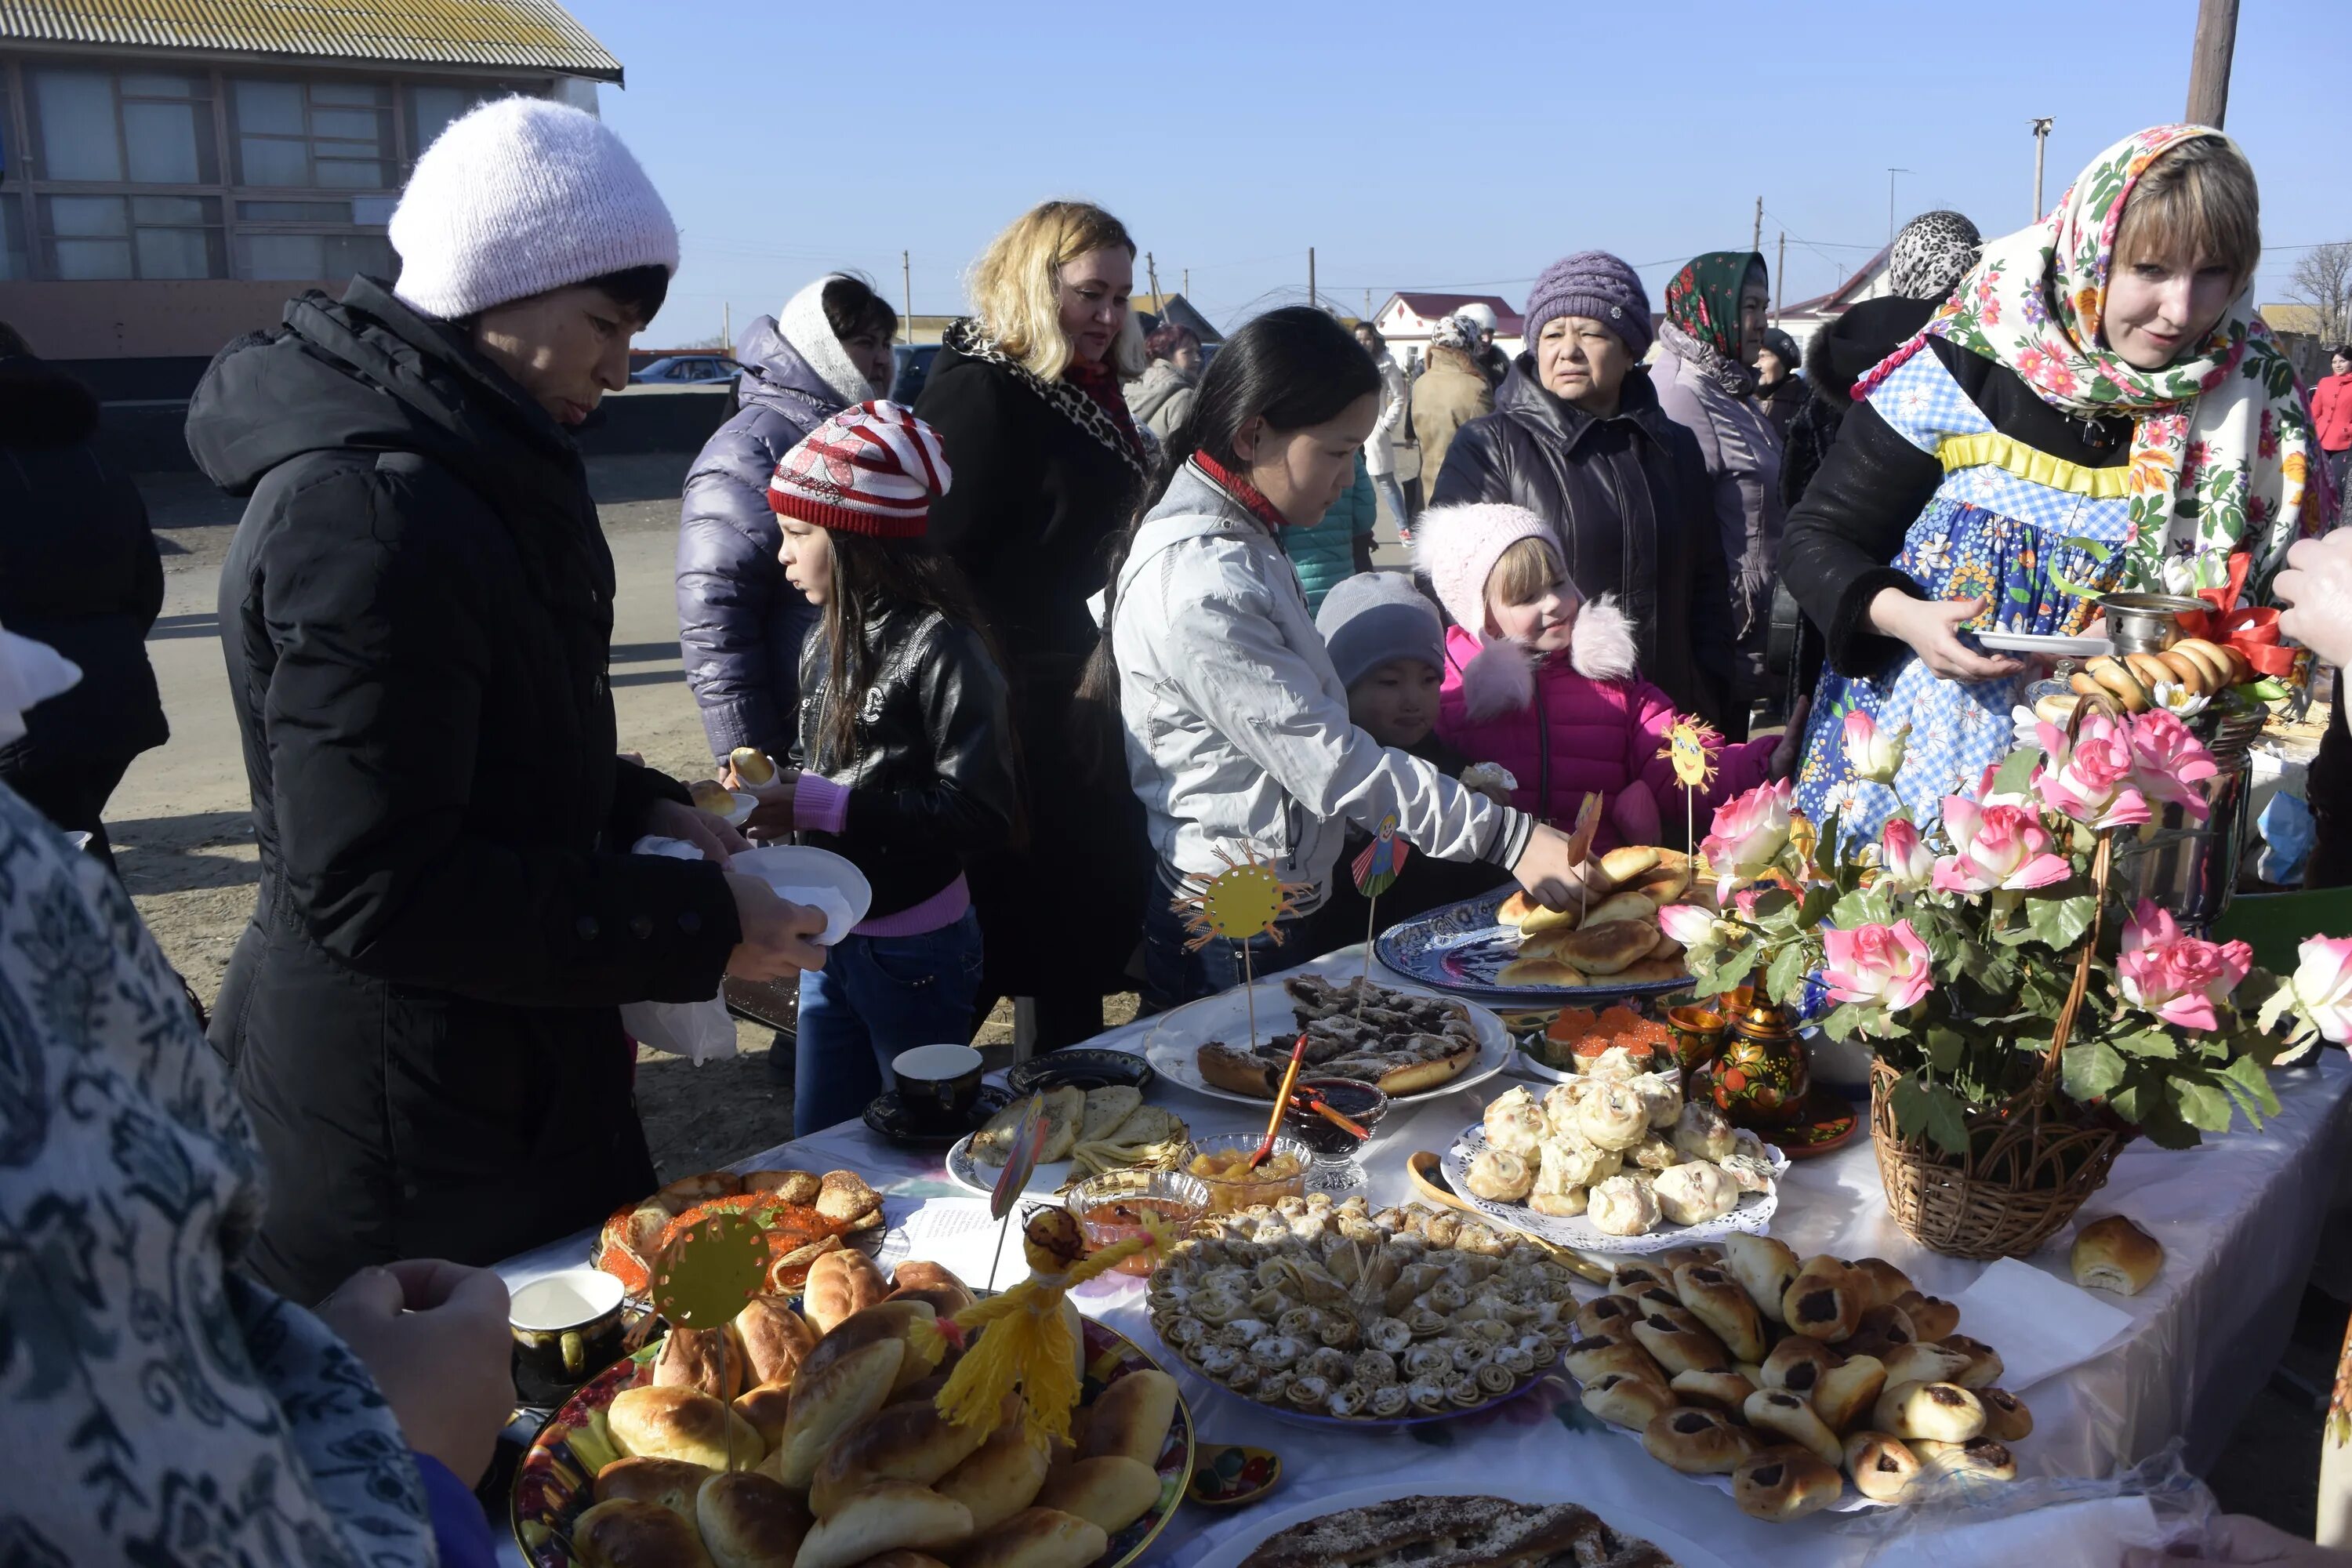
[
  {"x": 2323, "y": 984},
  {"x": 1996, "y": 848},
  {"x": 2093, "y": 779},
  {"x": 1686, "y": 923},
  {"x": 1903, "y": 857},
  {"x": 1876, "y": 965},
  {"x": 2177, "y": 977},
  {"x": 1872, "y": 752},
  {"x": 2170, "y": 762},
  {"x": 1748, "y": 833}
]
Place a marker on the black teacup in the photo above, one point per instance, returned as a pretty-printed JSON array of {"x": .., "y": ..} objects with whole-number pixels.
[
  {"x": 567, "y": 1327},
  {"x": 938, "y": 1085}
]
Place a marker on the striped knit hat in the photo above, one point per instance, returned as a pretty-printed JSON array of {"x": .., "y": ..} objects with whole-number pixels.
[{"x": 871, "y": 469}]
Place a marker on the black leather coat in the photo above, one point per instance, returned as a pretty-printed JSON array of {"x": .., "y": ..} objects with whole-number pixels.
[
  {"x": 934, "y": 777},
  {"x": 1631, "y": 501}
]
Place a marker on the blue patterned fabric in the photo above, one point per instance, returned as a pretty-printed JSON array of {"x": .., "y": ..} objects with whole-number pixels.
[{"x": 1988, "y": 534}]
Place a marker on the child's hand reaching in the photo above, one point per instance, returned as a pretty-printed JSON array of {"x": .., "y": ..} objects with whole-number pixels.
[{"x": 1791, "y": 749}]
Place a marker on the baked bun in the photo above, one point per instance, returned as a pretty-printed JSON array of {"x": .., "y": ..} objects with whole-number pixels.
[
  {"x": 1820, "y": 1307},
  {"x": 1629, "y": 1278},
  {"x": 1785, "y": 1483},
  {"x": 767, "y": 1408},
  {"x": 1932, "y": 1317},
  {"x": 1944, "y": 1412},
  {"x": 884, "y": 1517},
  {"x": 1790, "y": 1416},
  {"x": 1882, "y": 1283},
  {"x": 1878, "y": 1331},
  {"x": 2113, "y": 1254},
  {"x": 1606, "y": 948},
  {"x": 751, "y": 765},
  {"x": 828, "y": 1402},
  {"x": 910, "y": 1441},
  {"x": 1798, "y": 1364},
  {"x": 1130, "y": 1418},
  {"x": 1651, "y": 971},
  {"x": 624, "y": 1533},
  {"x": 799, "y": 1187},
  {"x": 670, "y": 1422},
  {"x": 1626, "y": 906},
  {"x": 1721, "y": 1389},
  {"x": 1598, "y": 1356},
  {"x": 1678, "y": 1342},
  {"x": 1626, "y": 863},
  {"x": 750, "y": 1520},
  {"x": 683, "y": 1193},
  {"x": 1764, "y": 1268},
  {"x": 1500, "y": 1176},
  {"x": 1610, "y": 1314},
  {"x": 774, "y": 1338},
  {"x": 706, "y": 1359},
  {"x": 1533, "y": 971},
  {"x": 672, "y": 1483},
  {"x": 1036, "y": 1538},
  {"x": 921, "y": 1274},
  {"x": 1625, "y": 1401},
  {"x": 883, "y": 1321},
  {"x": 1696, "y": 1193},
  {"x": 2007, "y": 1418},
  {"x": 1696, "y": 1442},
  {"x": 1883, "y": 1465},
  {"x": 1980, "y": 1458},
  {"x": 1924, "y": 1363},
  {"x": 1848, "y": 1390},
  {"x": 1717, "y": 1301},
  {"x": 840, "y": 1284},
  {"x": 1001, "y": 1478},
  {"x": 1111, "y": 1491}
]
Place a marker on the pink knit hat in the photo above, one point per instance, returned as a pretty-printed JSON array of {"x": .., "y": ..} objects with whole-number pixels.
[
  {"x": 1457, "y": 547},
  {"x": 871, "y": 469}
]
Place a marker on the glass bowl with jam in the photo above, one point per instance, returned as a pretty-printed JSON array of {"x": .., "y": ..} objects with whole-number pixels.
[
  {"x": 1116, "y": 1206},
  {"x": 1221, "y": 1161},
  {"x": 1337, "y": 1169}
]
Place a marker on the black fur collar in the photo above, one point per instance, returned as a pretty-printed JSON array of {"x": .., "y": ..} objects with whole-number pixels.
[{"x": 42, "y": 406}]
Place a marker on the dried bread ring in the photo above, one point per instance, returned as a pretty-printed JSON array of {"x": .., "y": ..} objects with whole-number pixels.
[
  {"x": 2120, "y": 683},
  {"x": 2148, "y": 669}
]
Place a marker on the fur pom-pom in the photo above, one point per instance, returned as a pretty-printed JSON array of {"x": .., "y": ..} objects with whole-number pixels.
[
  {"x": 1501, "y": 679},
  {"x": 1601, "y": 645}
]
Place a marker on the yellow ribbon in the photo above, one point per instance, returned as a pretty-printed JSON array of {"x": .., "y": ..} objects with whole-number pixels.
[{"x": 2032, "y": 465}]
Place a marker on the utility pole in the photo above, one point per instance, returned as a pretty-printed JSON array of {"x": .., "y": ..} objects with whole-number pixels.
[
  {"x": 1151, "y": 271},
  {"x": 1368, "y": 305},
  {"x": 1778, "y": 267},
  {"x": 2209, "y": 61},
  {"x": 1187, "y": 283},
  {"x": 1890, "y": 203},
  {"x": 1310, "y": 277},
  {"x": 907, "y": 284},
  {"x": 2041, "y": 145},
  {"x": 1756, "y": 235},
  {"x": 727, "y": 326}
]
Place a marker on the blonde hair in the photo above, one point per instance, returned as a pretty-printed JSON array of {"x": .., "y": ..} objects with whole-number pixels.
[
  {"x": 2200, "y": 201},
  {"x": 1015, "y": 280},
  {"x": 1525, "y": 572}
]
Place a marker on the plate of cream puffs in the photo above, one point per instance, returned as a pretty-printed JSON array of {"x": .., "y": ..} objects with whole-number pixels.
[{"x": 1616, "y": 1164}]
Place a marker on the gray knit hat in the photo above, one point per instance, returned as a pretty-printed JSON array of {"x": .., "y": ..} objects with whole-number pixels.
[
  {"x": 1596, "y": 284},
  {"x": 1934, "y": 251},
  {"x": 1375, "y": 616}
]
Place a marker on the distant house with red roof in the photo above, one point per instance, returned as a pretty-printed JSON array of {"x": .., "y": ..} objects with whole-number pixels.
[{"x": 1406, "y": 320}]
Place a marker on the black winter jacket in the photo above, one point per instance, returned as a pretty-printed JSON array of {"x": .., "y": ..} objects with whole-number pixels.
[
  {"x": 1836, "y": 553},
  {"x": 416, "y": 613},
  {"x": 78, "y": 570},
  {"x": 933, "y": 779},
  {"x": 1630, "y": 500},
  {"x": 1838, "y": 355}
]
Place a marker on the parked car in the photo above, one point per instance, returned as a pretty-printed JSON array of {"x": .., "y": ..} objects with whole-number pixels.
[
  {"x": 690, "y": 370},
  {"x": 911, "y": 367}
]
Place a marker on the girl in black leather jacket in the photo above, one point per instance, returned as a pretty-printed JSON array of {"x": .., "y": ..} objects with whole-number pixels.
[{"x": 905, "y": 761}]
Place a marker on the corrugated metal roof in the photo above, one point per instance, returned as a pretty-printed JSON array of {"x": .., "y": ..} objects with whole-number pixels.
[{"x": 531, "y": 33}]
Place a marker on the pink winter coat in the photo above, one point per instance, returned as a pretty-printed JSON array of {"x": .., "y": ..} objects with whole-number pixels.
[{"x": 1588, "y": 721}]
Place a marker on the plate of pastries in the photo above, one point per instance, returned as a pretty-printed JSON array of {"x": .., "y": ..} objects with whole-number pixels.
[
  {"x": 1506, "y": 948},
  {"x": 1089, "y": 1132},
  {"x": 1328, "y": 1313},
  {"x": 802, "y": 1215},
  {"x": 1798, "y": 1384},
  {"x": 804, "y": 1433},
  {"x": 1539, "y": 1526},
  {"x": 1408, "y": 1042},
  {"x": 1615, "y": 1160}
]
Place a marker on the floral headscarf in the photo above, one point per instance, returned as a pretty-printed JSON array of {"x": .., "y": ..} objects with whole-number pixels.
[
  {"x": 1455, "y": 333},
  {"x": 2221, "y": 445},
  {"x": 1702, "y": 323}
]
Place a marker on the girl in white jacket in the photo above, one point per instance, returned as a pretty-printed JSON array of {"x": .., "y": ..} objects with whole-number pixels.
[{"x": 1234, "y": 723}]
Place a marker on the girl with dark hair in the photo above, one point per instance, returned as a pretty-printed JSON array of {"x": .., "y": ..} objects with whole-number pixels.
[
  {"x": 904, "y": 762},
  {"x": 1235, "y": 721}
]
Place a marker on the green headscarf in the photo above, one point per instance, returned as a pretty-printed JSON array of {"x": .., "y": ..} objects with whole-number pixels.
[{"x": 1703, "y": 299}]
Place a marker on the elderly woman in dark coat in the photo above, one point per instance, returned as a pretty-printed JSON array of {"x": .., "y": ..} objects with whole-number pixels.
[{"x": 1577, "y": 438}]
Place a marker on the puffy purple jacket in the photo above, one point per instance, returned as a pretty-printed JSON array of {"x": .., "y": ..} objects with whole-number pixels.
[{"x": 740, "y": 624}]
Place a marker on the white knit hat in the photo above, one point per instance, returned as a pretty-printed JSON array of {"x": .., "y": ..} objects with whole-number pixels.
[
  {"x": 1457, "y": 547},
  {"x": 519, "y": 197}
]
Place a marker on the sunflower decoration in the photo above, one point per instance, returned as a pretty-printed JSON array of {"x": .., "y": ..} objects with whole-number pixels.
[
  {"x": 1691, "y": 745},
  {"x": 1246, "y": 900}
]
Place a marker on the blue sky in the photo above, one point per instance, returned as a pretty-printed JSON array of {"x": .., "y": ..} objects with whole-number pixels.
[{"x": 1425, "y": 146}]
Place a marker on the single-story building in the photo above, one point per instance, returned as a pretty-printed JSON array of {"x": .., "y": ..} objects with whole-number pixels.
[{"x": 1406, "y": 318}]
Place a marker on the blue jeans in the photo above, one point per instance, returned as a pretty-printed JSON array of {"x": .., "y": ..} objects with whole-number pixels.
[
  {"x": 1391, "y": 496},
  {"x": 1172, "y": 976},
  {"x": 876, "y": 997}
]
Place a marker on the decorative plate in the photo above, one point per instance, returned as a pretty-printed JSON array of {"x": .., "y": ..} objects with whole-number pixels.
[
  {"x": 1174, "y": 1047},
  {"x": 1461, "y": 948},
  {"x": 551, "y": 1485},
  {"x": 888, "y": 1118},
  {"x": 1753, "y": 1213},
  {"x": 1081, "y": 1068}
]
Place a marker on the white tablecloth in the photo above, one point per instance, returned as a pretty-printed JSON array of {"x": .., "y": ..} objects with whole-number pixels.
[{"x": 2238, "y": 1217}]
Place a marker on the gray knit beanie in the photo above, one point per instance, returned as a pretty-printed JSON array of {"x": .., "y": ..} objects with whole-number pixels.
[
  {"x": 519, "y": 197},
  {"x": 1374, "y": 616},
  {"x": 1596, "y": 284}
]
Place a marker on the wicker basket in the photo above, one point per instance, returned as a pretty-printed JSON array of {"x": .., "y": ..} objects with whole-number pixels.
[{"x": 2028, "y": 1165}]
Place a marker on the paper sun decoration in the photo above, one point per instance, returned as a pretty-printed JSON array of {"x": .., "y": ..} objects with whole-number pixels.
[
  {"x": 1691, "y": 747},
  {"x": 1241, "y": 901},
  {"x": 703, "y": 1277},
  {"x": 1377, "y": 868}
]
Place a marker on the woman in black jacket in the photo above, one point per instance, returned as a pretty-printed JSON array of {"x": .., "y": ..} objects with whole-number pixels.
[
  {"x": 78, "y": 570},
  {"x": 423, "y": 1016},
  {"x": 1577, "y": 438},
  {"x": 1048, "y": 465}
]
